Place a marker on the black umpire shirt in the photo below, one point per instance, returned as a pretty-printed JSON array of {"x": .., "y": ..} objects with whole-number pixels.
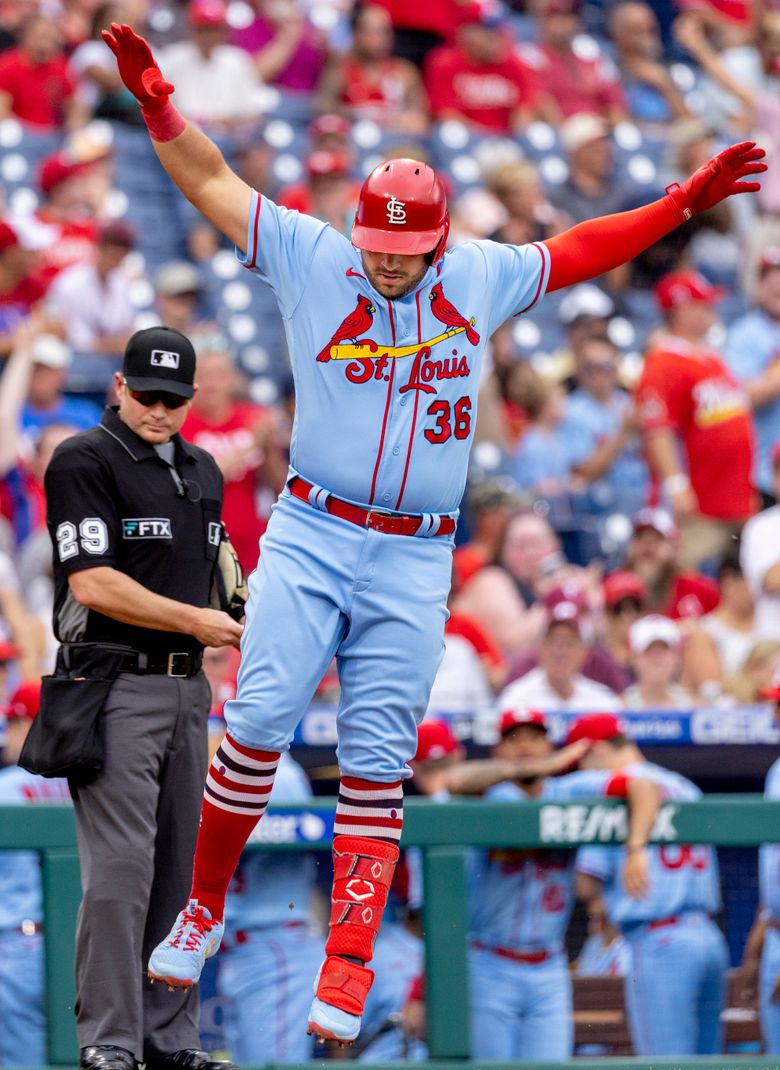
[{"x": 112, "y": 500}]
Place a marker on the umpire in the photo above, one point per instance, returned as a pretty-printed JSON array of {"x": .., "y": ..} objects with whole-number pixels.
[{"x": 134, "y": 518}]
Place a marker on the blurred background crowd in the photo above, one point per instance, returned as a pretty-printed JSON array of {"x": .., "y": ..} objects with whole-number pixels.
[{"x": 628, "y": 427}]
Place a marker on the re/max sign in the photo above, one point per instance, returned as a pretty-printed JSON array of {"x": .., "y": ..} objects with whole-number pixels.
[{"x": 575, "y": 823}]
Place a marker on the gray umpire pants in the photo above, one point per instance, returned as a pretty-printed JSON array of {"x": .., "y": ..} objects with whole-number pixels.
[{"x": 137, "y": 825}]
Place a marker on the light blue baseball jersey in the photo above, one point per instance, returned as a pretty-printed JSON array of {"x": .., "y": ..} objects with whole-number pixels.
[
  {"x": 20, "y": 871},
  {"x": 267, "y": 889},
  {"x": 752, "y": 345},
  {"x": 522, "y": 899},
  {"x": 769, "y": 853},
  {"x": 682, "y": 877},
  {"x": 386, "y": 390}
]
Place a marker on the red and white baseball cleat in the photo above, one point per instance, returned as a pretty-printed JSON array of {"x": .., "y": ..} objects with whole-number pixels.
[
  {"x": 179, "y": 959},
  {"x": 340, "y": 991}
]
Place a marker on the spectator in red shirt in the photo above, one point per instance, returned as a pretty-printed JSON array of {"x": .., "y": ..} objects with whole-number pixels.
[
  {"x": 239, "y": 434},
  {"x": 35, "y": 85},
  {"x": 369, "y": 82},
  {"x": 21, "y": 286},
  {"x": 68, "y": 211},
  {"x": 687, "y": 397},
  {"x": 575, "y": 82},
  {"x": 479, "y": 79},
  {"x": 653, "y": 556},
  {"x": 328, "y": 193}
]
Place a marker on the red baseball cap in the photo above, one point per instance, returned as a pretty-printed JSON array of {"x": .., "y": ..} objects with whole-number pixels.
[
  {"x": 25, "y": 701},
  {"x": 770, "y": 258},
  {"x": 679, "y": 287},
  {"x": 510, "y": 719},
  {"x": 9, "y": 651},
  {"x": 322, "y": 162},
  {"x": 434, "y": 740},
  {"x": 656, "y": 519},
  {"x": 565, "y": 604},
  {"x": 622, "y": 584},
  {"x": 8, "y": 236},
  {"x": 57, "y": 168},
  {"x": 207, "y": 13},
  {"x": 596, "y": 727},
  {"x": 330, "y": 126}
]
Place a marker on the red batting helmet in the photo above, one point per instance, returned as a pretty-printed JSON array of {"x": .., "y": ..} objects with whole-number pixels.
[{"x": 402, "y": 209}]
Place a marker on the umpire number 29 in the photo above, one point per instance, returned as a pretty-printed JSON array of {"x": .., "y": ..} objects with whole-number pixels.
[
  {"x": 455, "y": 419},
  {"x": 92, "y": 533}
]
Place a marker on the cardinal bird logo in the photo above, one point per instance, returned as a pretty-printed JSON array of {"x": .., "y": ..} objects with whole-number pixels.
[
  {"x": 447, "y": 314},
  {"x": 355, "y": 324}
]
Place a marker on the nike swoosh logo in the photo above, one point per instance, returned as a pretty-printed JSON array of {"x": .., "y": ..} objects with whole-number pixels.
[{"x": 353, "y": 274}]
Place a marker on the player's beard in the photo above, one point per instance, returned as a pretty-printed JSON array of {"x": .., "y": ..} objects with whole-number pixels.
[{"x": 391, "y": 293}]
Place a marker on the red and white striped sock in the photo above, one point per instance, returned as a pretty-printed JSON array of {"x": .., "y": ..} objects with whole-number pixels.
[
  {"x": 238, "y": 784},
  {"x": 370, "y": 809}
]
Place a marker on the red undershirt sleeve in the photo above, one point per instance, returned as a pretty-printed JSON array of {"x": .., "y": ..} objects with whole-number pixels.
[{"x": 592, "y": 248}]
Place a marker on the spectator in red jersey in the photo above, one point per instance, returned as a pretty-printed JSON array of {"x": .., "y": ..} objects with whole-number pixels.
[
  {"x": 652, "y": 555},
  {"x": 68, "y": 212},
  {"x": 369, "y": 82},
  {"x": 328, "y": 193},
  {"x": 21, "y": 285},
  {"x": 687, "y": 397},
  {"x": 289, "y": 52},
  {"x": 479, "y": 79},
  {"x": 35, "y": 85},
  {"x": 575, "y": 82},
  {"x": 239, "y": 434}
]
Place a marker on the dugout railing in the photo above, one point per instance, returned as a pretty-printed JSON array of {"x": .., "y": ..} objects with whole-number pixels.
[{"x": 444, "y": 832}]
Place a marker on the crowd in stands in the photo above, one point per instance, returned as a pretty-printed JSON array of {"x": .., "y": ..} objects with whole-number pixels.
[{"x": 619, "y": 540}]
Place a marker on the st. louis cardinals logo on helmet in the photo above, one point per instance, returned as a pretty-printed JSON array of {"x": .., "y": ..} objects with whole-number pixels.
[{"x": 402, "y": 208}]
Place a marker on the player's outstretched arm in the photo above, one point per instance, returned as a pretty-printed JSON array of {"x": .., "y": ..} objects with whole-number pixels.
[
  {"x": 192, "y": 160},
  {"x": 599, "y": 245}
]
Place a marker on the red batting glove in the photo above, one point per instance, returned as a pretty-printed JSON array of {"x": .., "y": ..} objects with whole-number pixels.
[
  {"x": 138, "y": 69},
  {"x": 720, "y": 178}
]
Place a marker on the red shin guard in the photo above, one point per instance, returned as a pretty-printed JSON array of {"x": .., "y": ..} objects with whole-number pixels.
[{"x": 362, "y": 874}]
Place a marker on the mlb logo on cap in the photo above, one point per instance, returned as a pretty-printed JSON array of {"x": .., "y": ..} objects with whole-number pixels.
[{"x": 165, "y": 358}]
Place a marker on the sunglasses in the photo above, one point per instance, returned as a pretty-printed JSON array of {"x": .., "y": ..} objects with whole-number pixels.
[{"x": 148, "y": 398}]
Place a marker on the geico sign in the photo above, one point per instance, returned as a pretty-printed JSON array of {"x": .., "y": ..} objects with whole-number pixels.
[{"x": 597, "y": 824}]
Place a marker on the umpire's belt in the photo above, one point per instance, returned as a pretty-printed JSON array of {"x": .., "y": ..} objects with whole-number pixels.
[
  {"x": 425, "y": 525},
  {"x": 139, "y": 662},
  {"x": 528, "y": 958}
]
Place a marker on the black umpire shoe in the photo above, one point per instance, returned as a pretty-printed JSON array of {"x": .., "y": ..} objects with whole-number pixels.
[
  {"x": 107, "y": 1057},
  {"x": 188, "y": 1059}
]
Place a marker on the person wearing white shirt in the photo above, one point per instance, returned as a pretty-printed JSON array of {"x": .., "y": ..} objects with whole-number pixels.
[
  {"x": 557, "y": 683},
  {"x": 759, "y": 556},
  {"x": 215, "y": 82},
  {"x": 91, "y": 299}
]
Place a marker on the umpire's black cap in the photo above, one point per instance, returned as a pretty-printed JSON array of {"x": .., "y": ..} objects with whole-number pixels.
[{"x": 160, "y": 358}]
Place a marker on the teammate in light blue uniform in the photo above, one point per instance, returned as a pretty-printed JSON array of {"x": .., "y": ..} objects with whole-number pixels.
[
  {"x": 271, "y": 946},
  {"x": 769, "y": 891},
  {"x": 22, "y": 1017},
  {"x": 398, "y": 960},
  {"x": 677, "y": 986},
  {"x": 520, "y": 905}
]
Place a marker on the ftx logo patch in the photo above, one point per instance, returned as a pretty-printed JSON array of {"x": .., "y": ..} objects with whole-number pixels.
[
  {"x": 164, "y": 358},
  {"x": 147, "y": 527}
]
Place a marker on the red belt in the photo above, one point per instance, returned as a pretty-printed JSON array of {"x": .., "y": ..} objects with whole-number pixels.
[
  {"x": 376, "y": 519},
  {"x": 528, "y": 958},
  {"x": 661, "y": 923}
]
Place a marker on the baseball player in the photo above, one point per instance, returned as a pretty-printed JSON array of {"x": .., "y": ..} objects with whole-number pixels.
[
  {"x": 23, "y": 1033},
  {"x": 521, "y": 902},
  {"x": 271, "y": 949},
  {"x": 761, "y": 959},
  {"x": 676, "y": 988},
  {"x": 386, "y": 335}
]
